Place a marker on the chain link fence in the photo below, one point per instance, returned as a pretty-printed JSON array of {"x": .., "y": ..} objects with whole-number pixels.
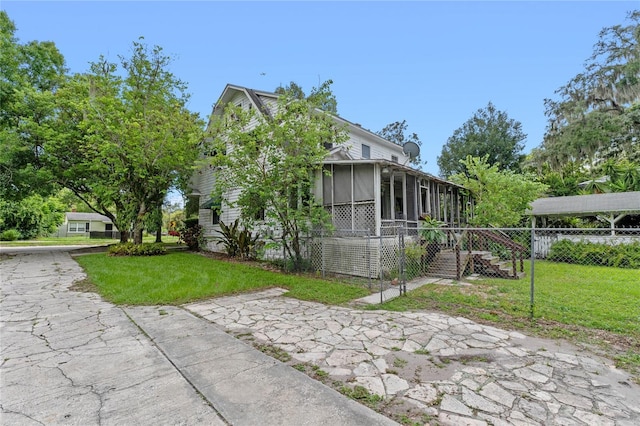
[{"x": 401, "y": 254}]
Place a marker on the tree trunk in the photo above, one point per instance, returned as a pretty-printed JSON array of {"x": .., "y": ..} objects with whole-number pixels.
[
  {"x": 124, "y": 236},
  {"x": 138, "y": 225},
  {"x": 137, "y": 234},
  {"x": 159, "y": 235}
]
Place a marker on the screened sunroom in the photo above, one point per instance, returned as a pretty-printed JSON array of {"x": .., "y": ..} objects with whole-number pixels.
[{"x": 371, "y": 195}]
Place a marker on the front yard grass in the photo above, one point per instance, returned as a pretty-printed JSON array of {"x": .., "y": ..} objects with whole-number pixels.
[{"x": 178, "y": 278}]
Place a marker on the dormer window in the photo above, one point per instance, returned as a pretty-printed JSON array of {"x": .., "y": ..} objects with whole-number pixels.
[
  {"x": 394, "y": 158},
  {"x": 366, "y": 151}
]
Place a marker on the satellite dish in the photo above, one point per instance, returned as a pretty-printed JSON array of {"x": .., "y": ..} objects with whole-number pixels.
[{"x": 411, "y": 149}]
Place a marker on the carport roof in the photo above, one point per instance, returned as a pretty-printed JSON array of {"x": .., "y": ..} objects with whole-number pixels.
[{"x": 587, "y": 205}]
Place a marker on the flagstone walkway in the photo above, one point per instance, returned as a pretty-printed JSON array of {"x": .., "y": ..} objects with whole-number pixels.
[{"x": 433, "y": 366}]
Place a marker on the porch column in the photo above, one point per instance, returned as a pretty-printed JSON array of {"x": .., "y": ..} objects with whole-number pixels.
[
  {"x": 404, "y": 196},
  {"x": 392, "y": 195}
]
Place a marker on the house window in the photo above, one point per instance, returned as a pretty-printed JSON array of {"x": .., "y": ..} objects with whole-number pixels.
[
  {"x": 78, "y": 226},
  {"x": 259, "y": 215},
  {"x": 394, "y": 158},
  {"x": 366, "y": 151},
  {"x": 215, "y": 216}
]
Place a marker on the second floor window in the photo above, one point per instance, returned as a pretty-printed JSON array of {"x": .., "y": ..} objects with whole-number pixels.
[{"x": 366, "y": 151}]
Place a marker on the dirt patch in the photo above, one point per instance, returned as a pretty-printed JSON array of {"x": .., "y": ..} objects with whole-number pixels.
[
  {"x": 84, "y": 286},
  {"x": 420, "y": 367}
]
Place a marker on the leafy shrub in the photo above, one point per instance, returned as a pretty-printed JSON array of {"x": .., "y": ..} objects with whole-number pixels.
[
  {"x": 193, "y": 237},
  {"x": 431, "y": 230},
  {"x": 238, "y": 243},
  {"x": 588, "y": 253},
  {"x": 191, "y": 222},
  {"x": 414, "y": 253},
  {"x": 131, "y": 249},
  {"x": 10, "y": 235}
]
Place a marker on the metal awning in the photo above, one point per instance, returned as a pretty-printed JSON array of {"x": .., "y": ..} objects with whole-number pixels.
[
  {"x": 212, "y": 203},
  {"x": 587, "y": 205}
]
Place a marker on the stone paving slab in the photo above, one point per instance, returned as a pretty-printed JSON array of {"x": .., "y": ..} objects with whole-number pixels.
[
  {"x": 447, "y": 368},
  {"x": 394, "y": 291}
]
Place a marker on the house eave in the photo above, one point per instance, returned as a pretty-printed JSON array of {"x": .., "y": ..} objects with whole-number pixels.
[{"x": 395, "y": 166}]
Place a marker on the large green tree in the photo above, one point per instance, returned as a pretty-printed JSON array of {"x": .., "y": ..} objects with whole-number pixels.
[
  {"x": 124, "y": 136},
  {"x": 596, "y": 115},
  {"x": 395, "y": 132},
  {"x": 32, "y": 216},
  {"x": 501, "y": 196},
  {"x": 269, "y": 170},
  {"x": 322, "y": 96},
  {"x": 489, "y": 133},
  {"x": 29, "y": 77}
]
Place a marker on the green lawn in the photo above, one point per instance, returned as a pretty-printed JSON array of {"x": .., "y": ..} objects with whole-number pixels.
[
  {"x": 178, "y": 278},
  {"x": 588, "y": 296}
]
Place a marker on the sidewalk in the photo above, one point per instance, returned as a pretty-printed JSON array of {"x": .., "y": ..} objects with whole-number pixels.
[{"x": 244, "y": 385}]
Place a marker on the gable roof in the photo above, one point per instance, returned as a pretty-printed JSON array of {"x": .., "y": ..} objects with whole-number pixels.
[
  {"x": 91, "y": 217},
  {"x": 254, "y": 96},
  {"x": 587, "y": 205}
]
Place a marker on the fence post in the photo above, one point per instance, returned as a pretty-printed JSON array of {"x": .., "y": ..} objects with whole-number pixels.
[
  {"x": 458, "y": 266},
  {"x": 533, "y": 256},
  {"x": 380, "y": 269},
  {"x": 369, "y": 256},
  {"x": 322, "y": 250},
  {"x": 401, "y": 266}
]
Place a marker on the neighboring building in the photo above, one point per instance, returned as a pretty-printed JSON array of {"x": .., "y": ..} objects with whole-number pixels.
[
  {"x": 87, "y": 224},
  {"x": 371, "y": 187}
]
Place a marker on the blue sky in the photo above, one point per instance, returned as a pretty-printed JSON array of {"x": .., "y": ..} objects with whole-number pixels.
[{"x": 431, "y": 63}]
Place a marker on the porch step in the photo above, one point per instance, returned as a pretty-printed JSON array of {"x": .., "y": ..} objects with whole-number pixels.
[{"x": 444, "y": 265}]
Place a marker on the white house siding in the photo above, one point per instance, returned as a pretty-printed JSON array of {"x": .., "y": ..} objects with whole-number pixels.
[
  {"x": 379, "y": 150},
  {"x": 351, "y": 214},
  {"x": 97, "y": 223}
]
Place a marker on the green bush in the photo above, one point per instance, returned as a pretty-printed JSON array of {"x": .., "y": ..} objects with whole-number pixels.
[
  {"x": 130, "y": 249},
  {"x": 238, "y": 243},
  {"x": 10, "y": 235},
  {"x": 588, "y": 253},
  {"x": 191, "y": 222},
  {"x": 193, "y": 237}
]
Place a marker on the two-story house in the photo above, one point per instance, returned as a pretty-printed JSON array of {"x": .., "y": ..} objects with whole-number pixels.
[{"x": 371, "y": 188}]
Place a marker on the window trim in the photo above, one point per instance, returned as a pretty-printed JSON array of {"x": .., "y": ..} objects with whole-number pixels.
[
  {"x": 368, "y": 149},
  {"x": 78, "y": 227}
]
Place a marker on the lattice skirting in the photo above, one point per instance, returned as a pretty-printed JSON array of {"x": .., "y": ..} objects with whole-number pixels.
[{"x": 357, "y": 256}]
